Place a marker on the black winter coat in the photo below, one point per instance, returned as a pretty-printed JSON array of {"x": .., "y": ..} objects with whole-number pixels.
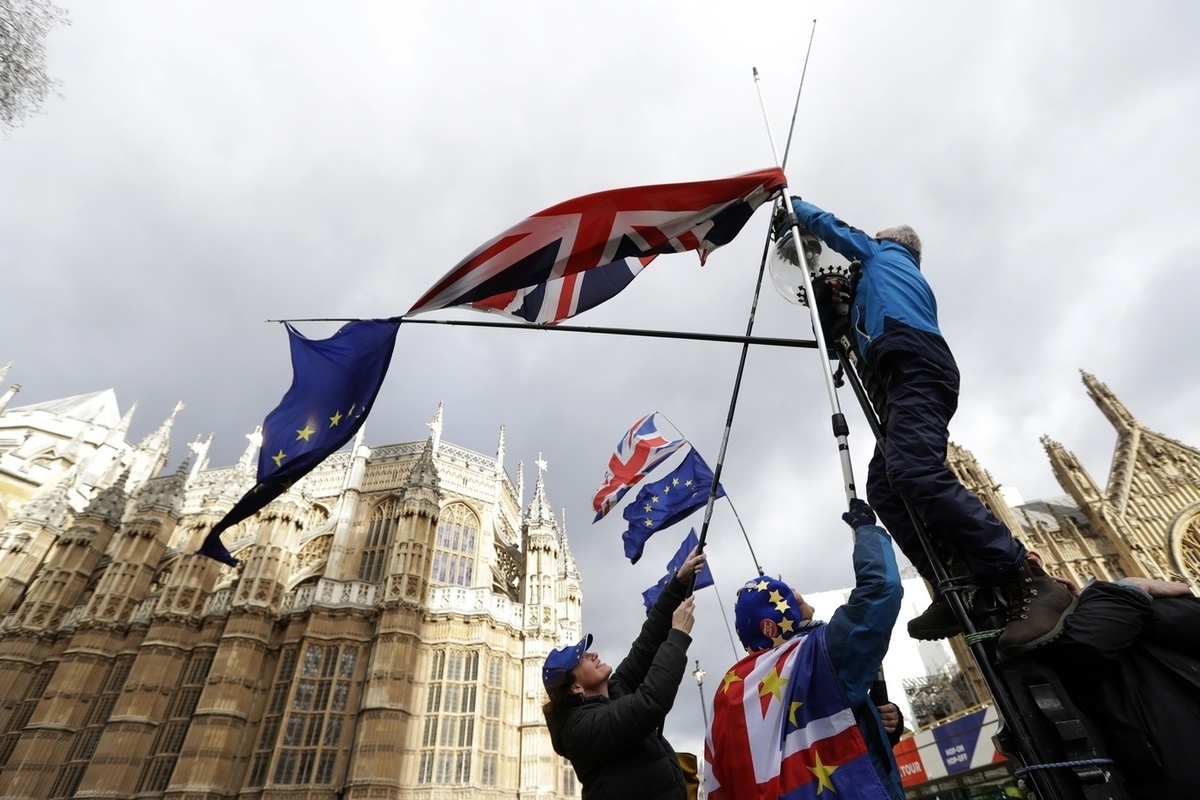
[
  {"x": 1132, "y": 664},
  {"x": 615, "y": 743}
]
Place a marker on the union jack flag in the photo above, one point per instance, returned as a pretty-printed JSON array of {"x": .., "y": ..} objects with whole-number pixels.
[
  {"x": 640, "y": 450},
  {"x": 532, "y": 271},
  {"x": 782, "y": 729}
]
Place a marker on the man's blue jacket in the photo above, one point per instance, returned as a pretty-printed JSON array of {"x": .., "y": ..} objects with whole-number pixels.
[
  {"x": 857, "y": 638},
  {"x": 892, "y": 293}
]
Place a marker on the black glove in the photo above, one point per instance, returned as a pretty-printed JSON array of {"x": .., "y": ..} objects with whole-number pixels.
[{"x": 859, "y": 514}]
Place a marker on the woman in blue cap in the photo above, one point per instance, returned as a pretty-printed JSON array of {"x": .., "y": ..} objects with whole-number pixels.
[{"x": 608, "y": 723}]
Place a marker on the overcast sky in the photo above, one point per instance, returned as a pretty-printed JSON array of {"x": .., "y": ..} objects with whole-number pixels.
[{"x": 210, "y": 166}]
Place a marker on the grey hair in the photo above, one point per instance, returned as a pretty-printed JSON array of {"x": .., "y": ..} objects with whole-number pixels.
[{"x": 905, "y": 235}]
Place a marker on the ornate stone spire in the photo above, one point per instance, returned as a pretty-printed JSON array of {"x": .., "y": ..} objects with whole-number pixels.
[
  {"x": 200, "y": 449},
  {"x": 122, "y": 430},
  {"x": 539, "y": 512},
  {"x": 151, "y": 455},
  {"x": 566, "y": 559},
  {"x": 249, "y": 460},
  {"x": 109, "y": 504},
  {"x": 50, "y": 505},
  {"x": 1108, "y": 403},
  {"x": 435, "y": 425},
  {"x": 424, "y": 473},
  {"x": 165, "y": 494},
  {"x": 7, "y": 397},
  {"x": 500, "y": 453},
  {"x": 520, "y": 483}
]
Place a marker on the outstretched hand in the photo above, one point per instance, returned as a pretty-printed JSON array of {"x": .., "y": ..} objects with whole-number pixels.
[
  {"x": 685, "y": 616},
  {"x": 859, "y": 514},
  {"x": 692, "y": 565}
]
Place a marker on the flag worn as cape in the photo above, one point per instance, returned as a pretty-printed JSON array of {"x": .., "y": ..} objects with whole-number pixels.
[
  {"x": 334, "y": 383},
  {"x": 640, "y": 450},
  {"x": 705, "y": 577},
  {"x": 782, "y": 729},
  {"x": 538, "y": 270},
  {"x": 664, "y": 502}
]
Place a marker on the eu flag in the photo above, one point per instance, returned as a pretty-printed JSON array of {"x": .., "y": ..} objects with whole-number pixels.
[
  {"x": 334, "y": 383},
  {"x": 705, "y": 577},
  {"x": 663, "y": 503}
]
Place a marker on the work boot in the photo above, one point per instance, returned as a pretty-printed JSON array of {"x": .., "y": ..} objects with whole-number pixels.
[
  {"x": 936, "y": 622},
  {"x": 1037, "y": 608}
]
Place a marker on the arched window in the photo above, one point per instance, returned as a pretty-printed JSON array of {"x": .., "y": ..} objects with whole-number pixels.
[
  {"x": 454, "y": 549},
  {"x": 385, "y": 518}
]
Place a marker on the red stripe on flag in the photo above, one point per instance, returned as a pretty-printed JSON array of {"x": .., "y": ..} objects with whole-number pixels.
[
  {"x": 834, "y": 751},
  {"x": 499, "y": 246}
]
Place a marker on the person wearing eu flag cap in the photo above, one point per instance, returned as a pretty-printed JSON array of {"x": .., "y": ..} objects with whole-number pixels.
[
  {"x": 608, "y": 723},
  {"x": 796, "y": 711}
]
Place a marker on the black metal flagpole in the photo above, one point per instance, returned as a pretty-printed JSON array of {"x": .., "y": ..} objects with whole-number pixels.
[
  {"x": 762, "y": 268},
  {"x": 767, "y": 341}
]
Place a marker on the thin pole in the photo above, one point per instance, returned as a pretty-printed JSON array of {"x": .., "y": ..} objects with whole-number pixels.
[
  {"x": 737, "y": 381},
  {"x": 642, "y": 332},
  {"x": 787, "y": 148},
  {"x": 841, "y": 430}
]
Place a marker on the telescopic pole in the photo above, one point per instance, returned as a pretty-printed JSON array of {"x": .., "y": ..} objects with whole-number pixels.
[
  {"x": 841, "y": 430},
  {"x": 737, "y": 381}
]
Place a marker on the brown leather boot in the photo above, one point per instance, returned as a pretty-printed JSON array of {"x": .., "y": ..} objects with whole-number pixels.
[{"x": 1037, "y": 608}]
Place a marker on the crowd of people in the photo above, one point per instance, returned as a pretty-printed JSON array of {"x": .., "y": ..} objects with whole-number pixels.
[{"x": 807, "y": 682}]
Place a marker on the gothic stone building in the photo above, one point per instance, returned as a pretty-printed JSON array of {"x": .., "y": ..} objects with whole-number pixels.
[
  {"x": 1144, "y": 520},
  {"x": 382, "y": 637}
]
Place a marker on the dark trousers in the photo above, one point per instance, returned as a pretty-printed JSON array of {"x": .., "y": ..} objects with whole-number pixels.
[{"x": 920, "y": 381}]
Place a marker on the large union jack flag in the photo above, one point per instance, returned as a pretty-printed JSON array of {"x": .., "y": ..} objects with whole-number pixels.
[
  {"x": 577, "y": 254},
  {"x": 640, "y": 450},
  {"x": 782, "y": 729}
]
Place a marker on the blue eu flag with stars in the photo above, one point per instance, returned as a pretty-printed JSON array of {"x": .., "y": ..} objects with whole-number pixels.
[
  {"x": 334, "y": 383},
  {"x": 663, "y": 503},
  {"x": 705, "y": 577}
]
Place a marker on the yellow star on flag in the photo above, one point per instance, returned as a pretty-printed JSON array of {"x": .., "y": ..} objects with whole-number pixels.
[
  {"x": 649, "y": 522},
  {"x": 335, "y": 419},
  {"x": 278, "y": 458},
  {"x": 823, "y": 774},
  {"x": 772, "y": 684},
  {"x": 674, "y": 481},
  {"x": 305, "y": 432},
  {"x": 786, "y": 625},
  {"x": 730, "y": 678},
  {"x": 647, "y": 508},
  {"x": 761, "y": 586},
  {"x": 776, "y": 598},
  {"x": 792, "y": 712}
]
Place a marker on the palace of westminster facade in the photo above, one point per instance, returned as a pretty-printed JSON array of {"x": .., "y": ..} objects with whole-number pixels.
[{"x": 384, "y": 633}]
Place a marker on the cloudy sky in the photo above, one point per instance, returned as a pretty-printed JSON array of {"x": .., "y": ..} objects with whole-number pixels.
[{"x": 210, "y": 166}]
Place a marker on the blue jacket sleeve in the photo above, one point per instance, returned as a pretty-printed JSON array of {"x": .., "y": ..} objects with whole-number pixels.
[
  {"x": 858, "y": 634},
  {"x": 850, "y": 242}
]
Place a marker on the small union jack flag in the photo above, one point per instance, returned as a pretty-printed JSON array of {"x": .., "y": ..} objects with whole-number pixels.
[
  {"x": 540, "y": 269},
  {"x": 640, "y": 450}
]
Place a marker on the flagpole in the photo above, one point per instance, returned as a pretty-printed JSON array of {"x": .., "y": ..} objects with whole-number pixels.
[
  {"x": 767, "y": 341},
  {"x": 841, "y": 430},
  {"x": 754, "y": 311}
]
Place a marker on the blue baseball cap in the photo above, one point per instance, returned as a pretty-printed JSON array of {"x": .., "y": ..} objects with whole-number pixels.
[
  {"x": 766, "y": 614},
  {"x": 562, "y": 660}
]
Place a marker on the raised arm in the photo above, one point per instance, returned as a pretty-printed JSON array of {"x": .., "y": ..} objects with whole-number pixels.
[
  {"x": 610, "y": 728},
  {"x": 850, "y": 242},
  {"x": 633, "y": 668},
  {"x": 858, "y": 633}
]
